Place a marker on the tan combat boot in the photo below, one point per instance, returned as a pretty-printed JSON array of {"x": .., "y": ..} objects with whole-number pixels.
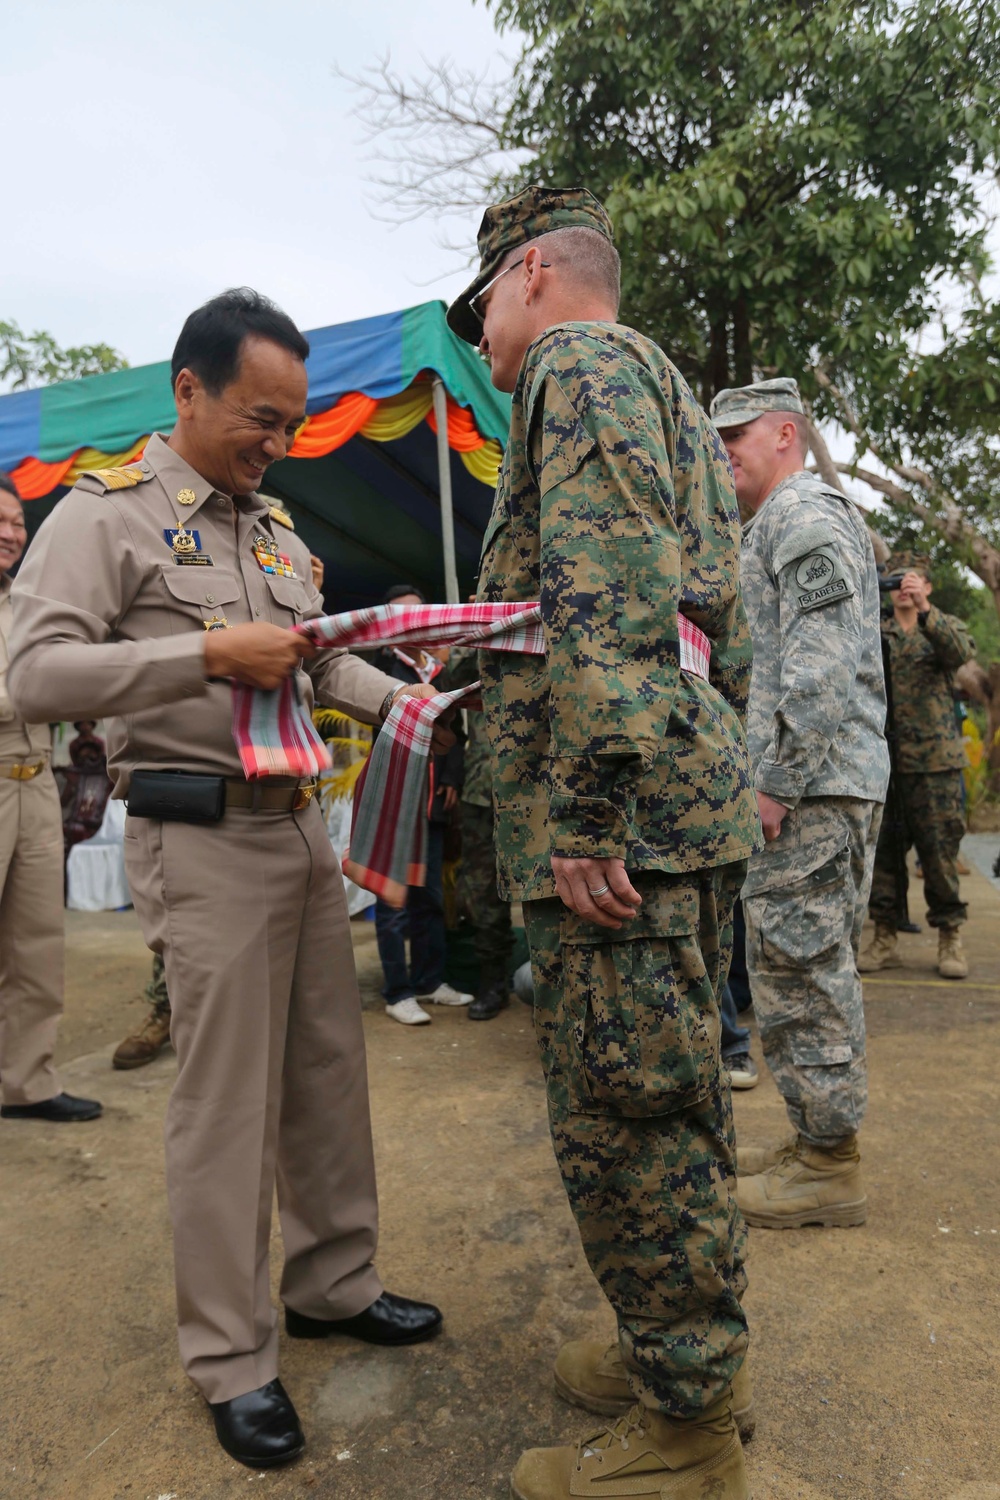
[
  {"x": 808, "y": 1186},
  {"x": 753, "y": 1159},
  {"x": 140, "y": 1048},
  {"x": 881, "y": 953},
  {"x": 592, "y": 1376},
  {"x": 951, "y": 961},
  {"x": 644, "y": 1456}
]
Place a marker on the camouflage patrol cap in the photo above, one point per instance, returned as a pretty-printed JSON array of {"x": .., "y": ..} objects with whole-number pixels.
[
  {"x": 905, "y": 561},
  {"x": 535, "y": 211},
  {"x": 745, "y": 403}
]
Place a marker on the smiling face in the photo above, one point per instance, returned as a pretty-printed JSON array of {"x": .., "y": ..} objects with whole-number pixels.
[
  {"x": 13, "y": 532},
  {"x": 232, "y": 437}
]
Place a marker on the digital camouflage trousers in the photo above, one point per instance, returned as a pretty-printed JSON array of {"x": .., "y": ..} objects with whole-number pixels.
[
  {"x": 804, "y": 901},
  {"x": 156, "y": 990},
  {"x": 932, "y": 807},
  {"x": 477, "y": 891},
  {"x": 640, "y": 1112}
]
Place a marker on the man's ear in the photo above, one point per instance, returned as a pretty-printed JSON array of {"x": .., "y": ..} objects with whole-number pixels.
[
  {"x": 187, "y": 388},
  {"x": 787, "y": 435},
  {"x": 532, "y": 273}
]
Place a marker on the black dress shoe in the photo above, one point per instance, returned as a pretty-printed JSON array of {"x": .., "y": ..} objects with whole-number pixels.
[
  {"x": 63, "y": 1107},
  {"x": 260, "y": 1429},
  {"x": 489, "y": 1002},
  {"x": 390, "y": 1320}
]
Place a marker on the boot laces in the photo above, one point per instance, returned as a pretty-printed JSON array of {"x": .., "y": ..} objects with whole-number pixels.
[{"x": 618, "y": 1432}]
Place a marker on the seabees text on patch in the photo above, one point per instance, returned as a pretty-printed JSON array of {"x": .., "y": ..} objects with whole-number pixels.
[{"x": 821, "y": 581}]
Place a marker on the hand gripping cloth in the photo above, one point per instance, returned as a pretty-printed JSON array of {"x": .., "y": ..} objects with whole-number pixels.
[{"x": 275, "y": 735}]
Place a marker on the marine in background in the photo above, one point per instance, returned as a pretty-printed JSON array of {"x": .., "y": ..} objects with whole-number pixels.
[{"x": 926, "y": 649}]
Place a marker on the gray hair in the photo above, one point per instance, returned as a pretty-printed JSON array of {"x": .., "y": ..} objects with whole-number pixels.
[{"x": 588, "y": 257}]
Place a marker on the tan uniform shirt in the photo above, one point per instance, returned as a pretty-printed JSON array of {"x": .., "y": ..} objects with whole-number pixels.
[
  {"x": 18, "y": 741},
  {"x": 108, "y": 624}
]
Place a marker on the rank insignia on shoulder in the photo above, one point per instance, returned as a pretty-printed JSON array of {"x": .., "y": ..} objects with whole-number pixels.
[
  {"x": 282, "y": 517},
  {"x": 117, "y": 479},
  {"x": 186, "y": 547}
]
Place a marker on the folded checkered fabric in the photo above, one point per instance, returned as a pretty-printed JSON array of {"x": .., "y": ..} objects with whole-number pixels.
[{"x": 276, "y": 737}]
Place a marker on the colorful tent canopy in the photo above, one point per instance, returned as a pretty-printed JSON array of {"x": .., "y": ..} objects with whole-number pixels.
[{"x": 368, "y": 502}]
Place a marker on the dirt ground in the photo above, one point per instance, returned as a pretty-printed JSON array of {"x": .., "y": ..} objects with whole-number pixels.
[{"x": 874, "y": 1350}]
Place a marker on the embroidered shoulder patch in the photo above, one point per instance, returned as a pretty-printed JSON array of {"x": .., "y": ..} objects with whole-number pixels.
[{"x": 819, "y": 579}]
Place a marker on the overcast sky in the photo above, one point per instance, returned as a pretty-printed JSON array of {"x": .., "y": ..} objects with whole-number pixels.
[{"x": 156, "y": 151}]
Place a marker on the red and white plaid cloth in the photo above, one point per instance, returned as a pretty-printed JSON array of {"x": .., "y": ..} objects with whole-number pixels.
[{"x": 275, "y": 735}]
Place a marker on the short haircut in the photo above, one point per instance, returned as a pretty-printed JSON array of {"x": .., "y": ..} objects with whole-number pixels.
[
  {"x": 400, "y": 590},
  {"x": 777, "y": 419},
  {"x": 586, "y": 255},
  {"x": 213, "y": 335},
  {"x": 6, "y": 483},
  {"x": 801, "y": 425}
]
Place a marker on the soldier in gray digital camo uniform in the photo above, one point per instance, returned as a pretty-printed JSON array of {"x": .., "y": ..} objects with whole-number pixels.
[{"x": 821, "y": 767}]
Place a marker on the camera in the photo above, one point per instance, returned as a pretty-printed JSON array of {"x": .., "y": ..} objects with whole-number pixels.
[{"x": 889, "y": 582}]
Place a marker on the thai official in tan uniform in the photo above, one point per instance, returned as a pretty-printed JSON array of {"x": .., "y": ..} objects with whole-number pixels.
[
  {"x": 147, "y": 590},
  {"x": 31, "y": 886}
]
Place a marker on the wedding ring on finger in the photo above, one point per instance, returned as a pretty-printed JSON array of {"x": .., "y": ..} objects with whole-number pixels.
[{"x": 602, "y": 890}]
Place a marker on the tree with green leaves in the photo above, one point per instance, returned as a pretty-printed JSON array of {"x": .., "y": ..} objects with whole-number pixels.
[
  {"x": 797, "y": 189},
  {"x": 31, "y": 359}
]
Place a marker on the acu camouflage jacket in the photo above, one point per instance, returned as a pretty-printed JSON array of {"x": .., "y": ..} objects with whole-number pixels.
[
  {"x": 615, "y": 508},
  {"x": 817, "y": 700}
]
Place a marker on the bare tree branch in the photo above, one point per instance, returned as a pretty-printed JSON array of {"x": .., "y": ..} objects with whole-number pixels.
[
  {"x": 943, "y": 514},
  {"x": 438, "y": 139},
  {"x": 945, "y": 517},
  {"x": 824, "y": 463}
]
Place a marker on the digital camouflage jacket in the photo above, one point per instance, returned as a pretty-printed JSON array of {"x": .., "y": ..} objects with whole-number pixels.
[
  {"x": 817, "y": 700},
  {"x": 923, "y": 662},
  {"x": 615, "y": 507}
]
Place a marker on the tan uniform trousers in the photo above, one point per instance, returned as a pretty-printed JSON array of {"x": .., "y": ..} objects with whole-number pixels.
[
  {"x": 31, "y": 936},
  {"x": 250, "y": 917}
]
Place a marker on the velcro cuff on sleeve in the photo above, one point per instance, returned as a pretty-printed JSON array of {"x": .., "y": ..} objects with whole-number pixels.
[
  {"x": 780, "y": 782},
  {"x": 586, "y": 828}
]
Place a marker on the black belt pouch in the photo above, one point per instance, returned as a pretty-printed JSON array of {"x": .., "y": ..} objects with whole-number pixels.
[{"x": 176, "y": 796}]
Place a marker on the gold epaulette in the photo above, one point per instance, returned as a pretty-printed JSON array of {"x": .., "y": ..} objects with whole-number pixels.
[
  {"x": 117, "y": 479},
  {"x": 282, "y": 517}
]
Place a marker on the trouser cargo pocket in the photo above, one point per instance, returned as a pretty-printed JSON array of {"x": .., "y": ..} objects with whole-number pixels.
[{"x": 639, "y": 1029}]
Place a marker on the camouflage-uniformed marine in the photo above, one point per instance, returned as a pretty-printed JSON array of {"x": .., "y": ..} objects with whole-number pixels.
[
  {"x": 477, "y": 874},
  {"x": 929, "y": 757},
  {"x": 815, "y": 733},
  {"x": 615, "y": 508}
]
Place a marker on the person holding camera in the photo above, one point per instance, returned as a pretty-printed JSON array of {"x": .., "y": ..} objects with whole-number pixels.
[{"x": 926, "y": 647}]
